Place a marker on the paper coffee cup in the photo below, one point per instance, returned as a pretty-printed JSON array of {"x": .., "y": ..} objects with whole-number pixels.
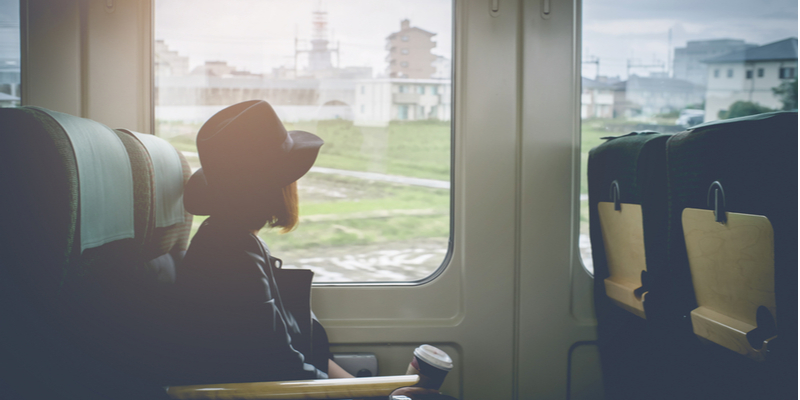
[{"x": 431, "y": 364}]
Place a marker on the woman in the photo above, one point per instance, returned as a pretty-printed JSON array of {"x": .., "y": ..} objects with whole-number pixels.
[{"x": 234, "y": 323}]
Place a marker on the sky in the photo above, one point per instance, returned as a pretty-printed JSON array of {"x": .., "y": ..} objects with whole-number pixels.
[
  {"x": 258, "y": 35},
  {"x": 615, "y": 31}
]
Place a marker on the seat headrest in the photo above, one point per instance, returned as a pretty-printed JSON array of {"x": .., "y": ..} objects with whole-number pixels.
[
  {"x": 169, "y": 172},
  {"x": 105, "y": 179}
]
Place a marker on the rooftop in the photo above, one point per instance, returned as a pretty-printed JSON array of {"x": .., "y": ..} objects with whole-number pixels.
[
  {"x": 587, "y": 83},
  {"x": 405, "y": 26},
  {"x": 785, "y": 49}
]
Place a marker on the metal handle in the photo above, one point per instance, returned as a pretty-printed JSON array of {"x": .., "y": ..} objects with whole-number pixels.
[{"x": 719, "y": 202}]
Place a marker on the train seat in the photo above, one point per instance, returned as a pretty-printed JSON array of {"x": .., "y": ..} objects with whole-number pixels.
[
  {"x": 627, "y": 211},
  {"x": 94, "y": 231},
  {"x": 711, "y": 213},
  {"x": 627, "y": 191},
  {"x": 86, "y": 254},
  {"x": 733, "y": 253}
]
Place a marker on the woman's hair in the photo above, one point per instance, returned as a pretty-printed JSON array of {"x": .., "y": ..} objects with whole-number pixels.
[
  {"x": 288, "y": 212},
  {"x": 276, "y": 208}
]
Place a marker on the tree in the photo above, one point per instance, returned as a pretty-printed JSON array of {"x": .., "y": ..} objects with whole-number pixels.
[
  {"x": 742, "y": 109},
  {"x": 787, "y": 93}
]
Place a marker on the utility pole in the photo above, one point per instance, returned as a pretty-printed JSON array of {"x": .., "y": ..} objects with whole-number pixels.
[
  {"x": 669, "y": 53},
  {"x": 596, "y": 61}
]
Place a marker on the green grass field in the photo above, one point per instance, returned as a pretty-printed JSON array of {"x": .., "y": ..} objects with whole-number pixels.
[
  {"x": 404, "y": 213},
  {"x": 419, "y": 149},
  {"x": 344, "y": 211}
]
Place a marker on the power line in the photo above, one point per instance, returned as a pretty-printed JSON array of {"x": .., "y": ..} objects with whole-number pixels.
[
  {"x": 634, "y": 64},
  {"x": 596, "y": 61}
]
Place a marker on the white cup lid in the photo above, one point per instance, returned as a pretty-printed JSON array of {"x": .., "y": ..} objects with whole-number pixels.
[{"x": 434, "y": 356}]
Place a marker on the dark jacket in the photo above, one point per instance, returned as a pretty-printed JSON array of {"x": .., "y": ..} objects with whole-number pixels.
[{"x": 232, "y": 321}]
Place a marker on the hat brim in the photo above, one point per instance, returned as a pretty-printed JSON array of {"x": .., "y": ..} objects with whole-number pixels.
[{"x": 199, "y": 198}]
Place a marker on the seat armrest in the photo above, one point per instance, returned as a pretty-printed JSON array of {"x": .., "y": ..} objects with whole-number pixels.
[{"x": 303, "y": 389}]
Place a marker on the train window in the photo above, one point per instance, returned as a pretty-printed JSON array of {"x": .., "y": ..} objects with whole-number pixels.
[
  {"x": 9, "y": 54},
  {"x": 376, "y": 205},
  {"x": 653, "y": 67}
]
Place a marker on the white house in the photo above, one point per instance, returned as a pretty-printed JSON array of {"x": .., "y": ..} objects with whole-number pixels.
[
  {"x": 597, "y": 99},
  {"x": 688, "y": 62},
  {"x": 378, "y": 101},
  {"x": 750, "y": 75}
]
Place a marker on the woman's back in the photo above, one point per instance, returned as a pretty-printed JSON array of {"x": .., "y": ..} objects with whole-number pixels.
[{"x": 232, "y": 320}]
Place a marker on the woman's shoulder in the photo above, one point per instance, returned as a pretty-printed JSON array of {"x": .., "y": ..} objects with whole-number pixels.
[
  {"x": 215, "y": 243},
  {"x": 213, "y": 234},
  {"x": 234, "y": 254}
]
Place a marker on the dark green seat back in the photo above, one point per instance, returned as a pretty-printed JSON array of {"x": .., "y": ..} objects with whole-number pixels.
[{"x": 81, "y": 316}]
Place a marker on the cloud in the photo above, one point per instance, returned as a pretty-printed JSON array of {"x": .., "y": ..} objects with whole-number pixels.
[{"x": 651, "y": 26}]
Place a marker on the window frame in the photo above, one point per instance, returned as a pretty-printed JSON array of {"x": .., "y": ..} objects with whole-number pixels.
[{"x": 448, "y": 256}]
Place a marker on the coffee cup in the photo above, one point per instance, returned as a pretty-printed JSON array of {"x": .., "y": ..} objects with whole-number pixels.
[{"x": 432, "y": 366}]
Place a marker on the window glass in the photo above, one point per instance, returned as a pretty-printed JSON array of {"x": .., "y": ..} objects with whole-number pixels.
[
  {"x": 402, "y": 112},
  {"x": 786, "y": 73},
  {"x": 376, "y": 205},
  {"x": 651, "y": 65},
  {"x": 9, "y": 54}
]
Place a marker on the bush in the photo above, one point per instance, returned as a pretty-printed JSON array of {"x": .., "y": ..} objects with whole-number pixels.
[
  {"x": 743, "y": 109},
  {"x": 671, "y": 114},
  {"x": 787, "y": 93}
]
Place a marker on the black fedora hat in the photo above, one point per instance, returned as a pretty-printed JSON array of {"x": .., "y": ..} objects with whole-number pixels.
[{"x": 244, "y": 152}]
